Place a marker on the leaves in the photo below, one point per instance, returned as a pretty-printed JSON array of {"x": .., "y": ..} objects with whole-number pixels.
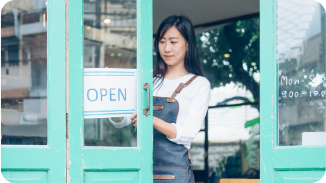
[{"x": 231, "y": 54}]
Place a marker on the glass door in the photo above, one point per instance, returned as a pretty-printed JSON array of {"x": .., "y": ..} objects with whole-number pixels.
[
  {"x": 293, "y": 66},
  {"x": 33, "y": 146},
  {"x": 110, "y": 62}
]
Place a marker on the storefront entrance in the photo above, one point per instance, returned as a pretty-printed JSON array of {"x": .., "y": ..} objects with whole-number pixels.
[
  {"x": 45, "y": 135},
  {"x": 48, "y": 136}
]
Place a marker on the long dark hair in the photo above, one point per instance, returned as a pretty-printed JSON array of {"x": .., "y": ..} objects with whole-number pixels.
[{"x": 184, "y": 26}]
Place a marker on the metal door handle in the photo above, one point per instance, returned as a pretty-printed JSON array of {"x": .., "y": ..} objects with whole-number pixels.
[{"x": 146, "y": 111}]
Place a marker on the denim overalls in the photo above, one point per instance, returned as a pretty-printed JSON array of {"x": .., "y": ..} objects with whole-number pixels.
[{"x": 172, "y": 162}]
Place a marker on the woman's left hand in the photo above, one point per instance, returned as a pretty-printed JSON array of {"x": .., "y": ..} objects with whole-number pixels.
[
  {"x": 134, "y": 118},
  {"x": 166, "y": 128}
]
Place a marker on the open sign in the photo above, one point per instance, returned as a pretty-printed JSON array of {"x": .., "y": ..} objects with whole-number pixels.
[{"x": 109, "y": 92}]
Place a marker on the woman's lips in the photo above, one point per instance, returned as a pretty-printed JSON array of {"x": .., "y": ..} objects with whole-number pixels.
[{"x": 168, "y": 56}]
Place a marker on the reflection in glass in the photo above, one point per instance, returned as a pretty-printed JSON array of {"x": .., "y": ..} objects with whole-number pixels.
[
  {"x": 110, "y": 40},
  {"x": 24, "y": 72},
  {"x": 301, "y": 61}
]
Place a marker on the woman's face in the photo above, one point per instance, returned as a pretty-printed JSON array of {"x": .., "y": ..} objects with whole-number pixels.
[{"x": 173, "y": 47}]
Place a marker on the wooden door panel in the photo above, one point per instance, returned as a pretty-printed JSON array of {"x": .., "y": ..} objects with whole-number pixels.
[
  {"x": 6, "y": 175},
  {"x": 299, "y": 176},
  {"x": 112, "y": 177},
  {"x": 15, "y": 158},
  {"x": 293, "y": 157},
  {"x": 112, "y": 159},
  {"x": 239, "y": 181},
  {"x": 26, "y": 176}
]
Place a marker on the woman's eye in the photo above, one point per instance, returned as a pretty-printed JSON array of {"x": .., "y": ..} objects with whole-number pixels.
[
  {"x": 162, "y": 42},
  {"x": 173, "y": 42}
]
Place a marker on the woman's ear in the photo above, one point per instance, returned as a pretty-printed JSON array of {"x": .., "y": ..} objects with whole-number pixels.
[{"x": 187, "y": 46}]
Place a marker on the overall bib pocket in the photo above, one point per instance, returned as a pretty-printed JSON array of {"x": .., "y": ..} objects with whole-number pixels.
[{"x": 163, "y": 174}]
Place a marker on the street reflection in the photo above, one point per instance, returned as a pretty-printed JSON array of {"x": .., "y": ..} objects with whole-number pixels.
[
  {"x": 110, "y": 40},
  {"x": 24, "y": 72}
]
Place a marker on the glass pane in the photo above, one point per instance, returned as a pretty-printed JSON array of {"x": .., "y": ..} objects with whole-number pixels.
[
  {"x": 197, "y": 150},
  {"x": 233, "y": 126},
  {"x": 234, "y": 141},
  {"x": 24, "y": 72},
  {"x": 301, "y": 61},
  {"x": 110, "y": 41}
]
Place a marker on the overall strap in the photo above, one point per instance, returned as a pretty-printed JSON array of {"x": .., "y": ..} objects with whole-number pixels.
[{"x": 179, "y": 88}]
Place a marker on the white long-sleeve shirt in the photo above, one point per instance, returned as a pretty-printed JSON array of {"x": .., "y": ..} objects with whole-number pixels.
[{"x": 193, "y": 103}]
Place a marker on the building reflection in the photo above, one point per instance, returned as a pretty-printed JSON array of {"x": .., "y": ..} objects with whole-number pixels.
[
  {"x": 301, "y": 58},
  {"x": 24, "y": 72},
  {"x": 110, "y": 34},
  {"x": 110, "y": 40}
]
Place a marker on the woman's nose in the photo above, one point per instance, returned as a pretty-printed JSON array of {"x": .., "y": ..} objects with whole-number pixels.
[{"x": 167, "y": 47}]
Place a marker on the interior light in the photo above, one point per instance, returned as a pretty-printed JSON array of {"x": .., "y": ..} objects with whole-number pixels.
[
  {"x": 107, "y": 21},
  {"x": 44, "y": 17},
  {"x": 253, "y": 63},
  {"x": 88, "y": 27},
  {"x": 46, "y": 3},
  {"x": 226, "y": 55}
]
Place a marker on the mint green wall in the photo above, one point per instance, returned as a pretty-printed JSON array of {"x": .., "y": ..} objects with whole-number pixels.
[{"x": 279, "y": 163}]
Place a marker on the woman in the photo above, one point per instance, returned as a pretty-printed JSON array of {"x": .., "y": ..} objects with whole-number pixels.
[{"x": 181, "y": 97}]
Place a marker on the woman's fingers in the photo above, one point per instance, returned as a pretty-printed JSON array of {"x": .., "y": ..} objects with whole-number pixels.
[
  {"x": 134, "y": 115},
  {"x": 135, "y": 124},
  {"x": 134, "y": 120}
]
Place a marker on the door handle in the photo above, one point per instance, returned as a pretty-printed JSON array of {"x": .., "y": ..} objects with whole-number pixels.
[{"x": 146, "y": 86}]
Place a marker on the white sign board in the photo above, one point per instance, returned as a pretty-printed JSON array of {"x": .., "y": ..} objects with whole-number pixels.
[
  {"x": 313, "y": 138},
  {"x": 109, "y": 92}
]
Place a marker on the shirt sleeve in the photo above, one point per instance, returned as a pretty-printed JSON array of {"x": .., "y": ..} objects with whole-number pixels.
[
  {"x": 125, "y": 121},
  {"x": 187, "y": 131}
]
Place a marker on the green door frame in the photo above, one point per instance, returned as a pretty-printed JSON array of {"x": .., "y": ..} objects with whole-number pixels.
[
  {"x": 278, "y": 162},
  {"x": 49, "y": 159},
  {"x": 109, "y": 160}
]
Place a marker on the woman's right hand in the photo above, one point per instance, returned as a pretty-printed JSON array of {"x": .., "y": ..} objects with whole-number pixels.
[
  {"x": 116, "y": 119},
  {"x": 134, "y": 118}
]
